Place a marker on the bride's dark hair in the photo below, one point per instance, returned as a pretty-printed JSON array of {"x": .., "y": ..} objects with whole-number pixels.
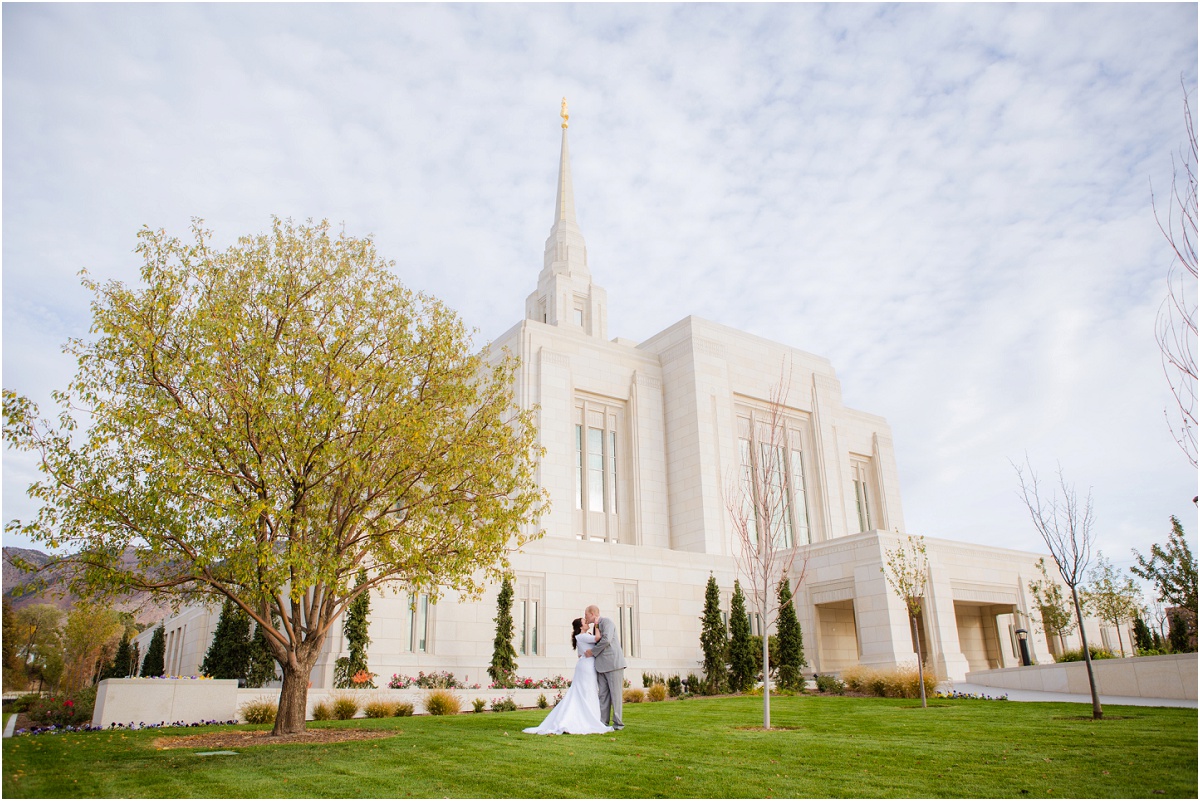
[{"x": 576, "y": 627}]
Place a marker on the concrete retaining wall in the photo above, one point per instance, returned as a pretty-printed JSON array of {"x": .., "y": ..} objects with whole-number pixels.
[
  {"x": 194, "y": 701},
  {"x": 1170, "y": 676},
  {"x": 164, "y": 701}
]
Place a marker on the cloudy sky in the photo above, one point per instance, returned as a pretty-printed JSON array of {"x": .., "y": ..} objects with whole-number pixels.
[{"x": 950, "y": 202}]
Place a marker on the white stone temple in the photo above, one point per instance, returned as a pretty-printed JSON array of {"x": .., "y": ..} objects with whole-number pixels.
[{"x": 643, "y": 442}]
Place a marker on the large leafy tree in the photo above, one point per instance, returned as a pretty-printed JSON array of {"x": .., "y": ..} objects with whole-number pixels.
[
  {"x": 90, "y": 640},
  {"x": 714, "y": 639},
  {"x": 38, "y": 642},
  {"x": 13, "y": 671},
  {"x": 260, "y": 423},
  {"x": 791, "y": 661},
  {"x": 1172, "y": 569},
  {"x": 742, "y": 664},
  {"x": 36, "y": 637}
]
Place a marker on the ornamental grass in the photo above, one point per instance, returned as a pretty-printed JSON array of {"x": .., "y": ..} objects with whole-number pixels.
[
  {"x": 345, "y": 707},
  {"x": 441, "y": 702},
  {"x": 260, "y": 710},
  {"x": 902, "y": 681}
]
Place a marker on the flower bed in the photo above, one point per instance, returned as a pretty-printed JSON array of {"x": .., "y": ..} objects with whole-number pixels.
[{"x": 119, "y": 726}]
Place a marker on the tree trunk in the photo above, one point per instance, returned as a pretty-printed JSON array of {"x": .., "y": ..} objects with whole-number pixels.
[
  {"x": 293, "y": 699},
  {"x": 766, "y": 679},
  {"x": 1120, "y": 640},
  {"x": 920, "y": 661},
  {"x": 1097, "y": 711},
  {"x": 297, "y": 664}
]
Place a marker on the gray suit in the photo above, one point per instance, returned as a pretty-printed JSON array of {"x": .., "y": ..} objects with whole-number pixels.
[{"x": 610, "y": 672}]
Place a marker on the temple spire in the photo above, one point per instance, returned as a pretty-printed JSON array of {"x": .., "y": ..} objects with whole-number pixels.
[
  {"x": 565, "y": 248},
  {"x": 564, "y": 205},
  {"x": 565, "y": 296}
]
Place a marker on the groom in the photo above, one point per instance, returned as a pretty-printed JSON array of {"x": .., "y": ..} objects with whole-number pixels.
[{"x": 610, "y": 666}]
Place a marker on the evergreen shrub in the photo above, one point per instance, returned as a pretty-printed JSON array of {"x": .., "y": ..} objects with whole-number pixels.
[
  {"x": 649, "y": 679},
  {"x": 675, "y": 686},
  {"x": 714, "y": 639},
  {"x": 504, "y": 655},
  {"x": 791, "y": 661},
  {"x": 742, "y": 660},
  {"x": 23, "y": 702},
  {"x": 831, "y": 684},
  {"x": 479, "y": 704},
  {"x": 155, "y": 662},
  {"x": 542, "y": 702}
]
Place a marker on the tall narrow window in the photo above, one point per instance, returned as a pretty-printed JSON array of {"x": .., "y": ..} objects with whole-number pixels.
[
  {"x": 418, "y": 623},
  {"x": 595, "y": 470},
  {"x": 598, "y": 484},
  {"x": 612, "y": 469},
  {"x": 799, "y": 492},
  {"x": 579, "y": 467},
  {"x": 862, "y": 495},
  {"x": 746, "y": 476},
  {"x": 528, "y": 613},
  {"x": 768, "y": 482},
  {"x": 773, "y": 475},
  {"x": 627, "y": 618}
]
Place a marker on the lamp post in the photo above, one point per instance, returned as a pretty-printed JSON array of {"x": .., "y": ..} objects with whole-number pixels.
[{"x": 1023, "y": 644}]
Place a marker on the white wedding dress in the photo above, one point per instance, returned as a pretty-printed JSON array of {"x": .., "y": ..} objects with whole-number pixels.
[{"x": 579, "y": 710}]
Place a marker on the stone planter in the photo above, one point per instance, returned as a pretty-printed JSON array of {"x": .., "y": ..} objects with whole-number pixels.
[{"x": 165, "y": 701}]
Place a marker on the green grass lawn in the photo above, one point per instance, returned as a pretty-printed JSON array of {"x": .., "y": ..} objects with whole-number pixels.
[{"x": 706, "y": 748}]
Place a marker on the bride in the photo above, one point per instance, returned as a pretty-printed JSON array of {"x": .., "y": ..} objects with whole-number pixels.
[{"x": 579, "y": 710}]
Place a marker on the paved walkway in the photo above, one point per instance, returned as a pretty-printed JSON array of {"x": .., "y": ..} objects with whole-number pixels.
[
  {"x": 1070, "y": 698},
  {"x": 11, "y": 726}
]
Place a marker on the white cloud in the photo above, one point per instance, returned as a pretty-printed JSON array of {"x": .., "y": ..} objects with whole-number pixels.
[{"x": 950, "y": 202}]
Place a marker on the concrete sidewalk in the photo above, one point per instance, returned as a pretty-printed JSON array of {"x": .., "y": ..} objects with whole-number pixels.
[{"x": 1069, "y": 698}]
